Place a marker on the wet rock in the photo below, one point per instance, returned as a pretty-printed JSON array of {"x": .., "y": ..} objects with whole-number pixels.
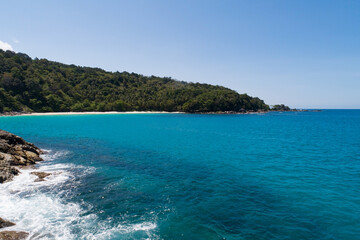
[
  {"x": 12, "y": 235},
  {"x": 4, "y": 223},
  {"x": 41, "y": 176},
  {"x": 7, "y": 172},
  {"x": 32, "y": 156},
  {"x": 15, "y": 151}
]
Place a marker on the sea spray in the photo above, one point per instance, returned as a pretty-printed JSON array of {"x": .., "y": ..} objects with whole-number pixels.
[{"x": 40, "y": 208}]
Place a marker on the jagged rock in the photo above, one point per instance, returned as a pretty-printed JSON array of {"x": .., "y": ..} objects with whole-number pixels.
[
  {"x": 4, "y": 223},
  {"x": 12, "y": 235},
  {"x": 41, "y": 176},
  {"x": 15, "y": 151},
  {"x": 33, "y": 156},
  {"x": 7, "y": 172},
  {"x": 5, "y": 157},
  {"x": 4, "y": 147}
]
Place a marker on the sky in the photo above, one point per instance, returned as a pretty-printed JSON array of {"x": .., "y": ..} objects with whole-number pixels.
[{"x": 305, "y": 54}]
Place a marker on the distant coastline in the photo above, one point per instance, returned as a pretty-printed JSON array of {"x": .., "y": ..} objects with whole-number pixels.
[
  {"x": 40, "y": 85},
  {"x": 139, "y": 112},
  {"x": 78, "y": 113}
]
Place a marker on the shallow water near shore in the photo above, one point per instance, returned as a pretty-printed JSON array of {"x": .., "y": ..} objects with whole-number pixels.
[{"x": 279, "y": 176}]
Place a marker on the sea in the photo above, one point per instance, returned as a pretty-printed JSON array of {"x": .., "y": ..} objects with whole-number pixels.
[{"x": 280, "y": 175}]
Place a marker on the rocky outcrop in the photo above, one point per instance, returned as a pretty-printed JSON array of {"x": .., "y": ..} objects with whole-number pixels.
[
  {"x": 15, "y": 151},
  {"x": 4, "y": 223},
  {"x": 41, "y": 176},
  {"x": 13, "y": 235}
]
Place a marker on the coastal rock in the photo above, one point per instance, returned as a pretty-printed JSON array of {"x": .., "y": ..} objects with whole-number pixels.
[
  {"x": 12, "y": 235},
  {"x": 41, "y": 176},
  {"x": 4, "y": 223},
  {"x": 32, "y": 156},
  {"x": 7, "y": 172},
  {"x": 15, "y": 151}
]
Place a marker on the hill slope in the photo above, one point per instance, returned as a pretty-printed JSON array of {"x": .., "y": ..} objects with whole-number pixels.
[{"x": 45, "y": 86}]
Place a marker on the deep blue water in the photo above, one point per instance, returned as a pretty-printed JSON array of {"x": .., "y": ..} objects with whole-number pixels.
[{"x": 185, "y": 176}]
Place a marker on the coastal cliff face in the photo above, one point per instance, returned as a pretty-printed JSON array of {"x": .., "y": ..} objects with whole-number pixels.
[{"x": 15, "y": 152}]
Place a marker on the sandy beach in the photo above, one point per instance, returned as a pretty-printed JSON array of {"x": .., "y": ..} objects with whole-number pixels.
[{"x": 86, "y": 113}]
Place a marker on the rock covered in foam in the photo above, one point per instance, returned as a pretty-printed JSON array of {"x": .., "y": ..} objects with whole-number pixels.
[
  {"x": 40, "y": 175},
  {"x": 13, "y": 235},
  {"x": 15, "y": 151}
]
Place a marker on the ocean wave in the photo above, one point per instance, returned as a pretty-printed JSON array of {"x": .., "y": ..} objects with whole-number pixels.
[
  {"x": 126, "y": 231},
  {"x": 50, "y": 155},
  {"x": 39, "y": 207}
]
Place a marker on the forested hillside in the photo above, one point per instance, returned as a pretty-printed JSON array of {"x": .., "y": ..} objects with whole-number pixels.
[{"x": 40, "y": 85}]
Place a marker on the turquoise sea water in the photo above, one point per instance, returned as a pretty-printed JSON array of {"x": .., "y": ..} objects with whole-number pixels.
[{"x": 185, "y": 176}]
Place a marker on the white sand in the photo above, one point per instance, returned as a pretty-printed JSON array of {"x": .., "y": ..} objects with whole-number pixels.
[{"x": 87, "y": 113}]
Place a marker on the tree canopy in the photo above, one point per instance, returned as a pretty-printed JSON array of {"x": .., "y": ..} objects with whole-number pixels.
[
  {"x": 280, "y": 107},
  {"x": 41, "y": 85}
]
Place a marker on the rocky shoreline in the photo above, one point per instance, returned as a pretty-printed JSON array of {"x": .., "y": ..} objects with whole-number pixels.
[{"x": 15, "y": 153}]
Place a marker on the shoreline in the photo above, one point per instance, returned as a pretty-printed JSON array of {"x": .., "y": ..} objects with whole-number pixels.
[
  {"x": 15, "y": 154},
  {"x": 12, "y": 114}
]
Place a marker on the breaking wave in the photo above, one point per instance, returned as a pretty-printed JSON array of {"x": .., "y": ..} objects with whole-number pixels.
[{"x": 42, "y": 209}]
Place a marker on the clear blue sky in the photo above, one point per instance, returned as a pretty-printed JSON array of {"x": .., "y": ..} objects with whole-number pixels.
[{"x": 305, "y": 54}]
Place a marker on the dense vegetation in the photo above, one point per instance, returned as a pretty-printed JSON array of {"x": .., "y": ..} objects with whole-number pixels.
[
  {"x": 280, "y": 107},
  {"x": 43, "y": 86}
]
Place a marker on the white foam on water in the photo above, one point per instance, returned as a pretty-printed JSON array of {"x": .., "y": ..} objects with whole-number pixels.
[
  {"x": 50, "y": 155},
  {"x": 37, "y": 207},
  {"x": 106, "y": 232}
]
